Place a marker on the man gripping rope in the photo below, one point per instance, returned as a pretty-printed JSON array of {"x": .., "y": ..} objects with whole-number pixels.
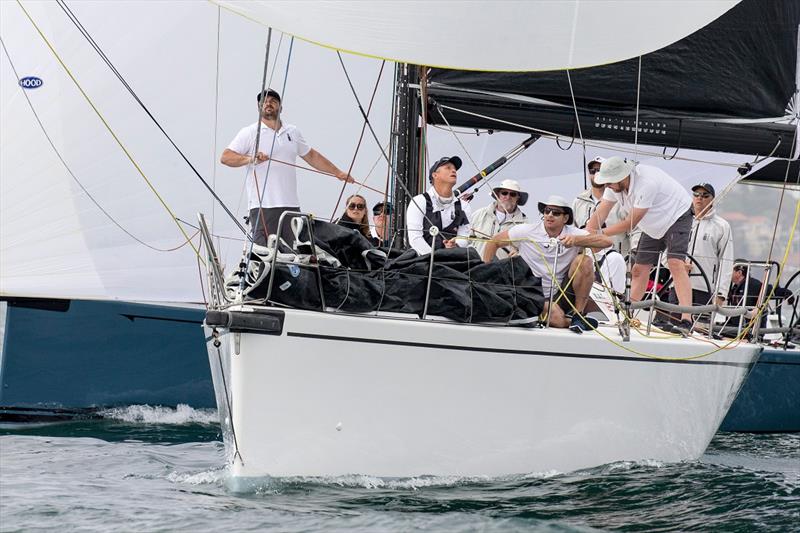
[{"x": 270, "y": 196}]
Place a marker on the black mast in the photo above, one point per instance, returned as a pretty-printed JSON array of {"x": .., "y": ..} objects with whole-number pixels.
[{"x": 405, "y": 138}]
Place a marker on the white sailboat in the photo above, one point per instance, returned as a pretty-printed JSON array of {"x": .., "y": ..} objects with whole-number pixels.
[{"x": 306, "y": 392}]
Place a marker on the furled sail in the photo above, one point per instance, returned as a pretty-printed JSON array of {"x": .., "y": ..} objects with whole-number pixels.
[
  {"x": 739, "y": 68},
  {"x": 496, "y": 36}
]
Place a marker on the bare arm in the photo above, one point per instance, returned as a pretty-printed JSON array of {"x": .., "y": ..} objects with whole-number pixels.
[
  {"x": 321, "y": 163},
  {"x": 596, "y": 241},
  {"x": 599, "y": 216},
  {"x": 235, "y": 159},
  {"x": 631, "y": 221},
  {"x": 501, "y": 239}
]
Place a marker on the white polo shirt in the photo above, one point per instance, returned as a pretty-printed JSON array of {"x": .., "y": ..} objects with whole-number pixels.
[
  {"x": 540, "y": 258},
  {"x": 664, "y": 198},
  {"x": 281, "y": 187}
]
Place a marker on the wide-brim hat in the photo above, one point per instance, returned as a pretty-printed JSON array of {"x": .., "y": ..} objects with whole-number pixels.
[
  {"x": 558, "y": 201},
  {"x": 613, "y": 170},
  {"x": 513, "y": 185}
]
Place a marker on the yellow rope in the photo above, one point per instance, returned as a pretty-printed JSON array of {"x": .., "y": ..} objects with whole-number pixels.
[
  {"x": 737, "y": 340},
  {"x": 108, "y": 127}
]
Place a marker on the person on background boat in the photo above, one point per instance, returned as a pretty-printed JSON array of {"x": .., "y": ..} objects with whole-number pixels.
[
  {"x": 585, "y": 204},
  {"x": 503, "y": 213},
  {"x": 660, "y": 207},
  {"x": 539, "y": 244},
  {"x": 711, "y": 246},
  {"x": 355, "y": 216},
  {"x": 380, "y": 227},
  {"x": 272, "y": 187},
  {"x": 439, "y": 207}
]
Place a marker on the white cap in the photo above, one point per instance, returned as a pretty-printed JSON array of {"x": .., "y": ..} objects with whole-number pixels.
[{"x": 597, "y": 159}]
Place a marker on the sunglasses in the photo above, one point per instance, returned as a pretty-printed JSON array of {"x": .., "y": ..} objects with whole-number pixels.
[
  {"x": 356, "y": 207},
  {"x": 554, "y": 212},
  {"x": 512, "y": 194},
  {"x": 594, "y": 171},
  {"x": 702, "y": 194}
]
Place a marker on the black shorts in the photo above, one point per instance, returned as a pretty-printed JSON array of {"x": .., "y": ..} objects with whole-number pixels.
[
  {"x": 675, "y": 241},
  {"x": 268, "y": 219}
]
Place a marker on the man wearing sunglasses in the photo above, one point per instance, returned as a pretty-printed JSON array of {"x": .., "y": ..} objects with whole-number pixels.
[
  {"x": 540, "y": 244},
  {"x": 585, "y": 204},
  {"x": 500, "y": 215},
  {"x": 269, "y": 197},
  {"x": 711, "y": 245},
  {"x": 438, "y": 207},
  {"x": 660, "y": 207}
]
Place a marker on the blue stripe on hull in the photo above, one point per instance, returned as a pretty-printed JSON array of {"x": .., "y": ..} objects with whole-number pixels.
[
  {"x": 770, "y": 398},
  {"x": 77, "y": 354}
]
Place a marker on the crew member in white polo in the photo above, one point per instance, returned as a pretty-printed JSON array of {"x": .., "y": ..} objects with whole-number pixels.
[
  {"x": 660, "y": 207},
  {"x": 272, "y": 186},
  {"x": 540, "y": 243}
]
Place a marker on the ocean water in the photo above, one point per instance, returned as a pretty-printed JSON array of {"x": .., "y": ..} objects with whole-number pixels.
[{"x": 155, "y": 469}]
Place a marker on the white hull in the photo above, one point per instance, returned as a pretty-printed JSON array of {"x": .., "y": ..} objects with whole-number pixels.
[{"x": 340, "y": 394}]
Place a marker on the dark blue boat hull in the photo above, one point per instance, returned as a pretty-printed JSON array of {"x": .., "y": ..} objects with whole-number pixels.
[
  {"x": 72, "y": 356},
  {"x": 769, "y": 401}
]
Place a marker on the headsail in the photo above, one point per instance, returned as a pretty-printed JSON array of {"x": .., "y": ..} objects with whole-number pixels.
[{"x": 496, "y": 36}]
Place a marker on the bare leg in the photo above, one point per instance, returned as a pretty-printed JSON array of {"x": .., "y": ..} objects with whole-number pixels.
[
  {"x": 680, "y": 280},
  {"x": 582, "y": 282},
  {"x": 557, "y": 318},
  {"x": 639, "y": 276}
]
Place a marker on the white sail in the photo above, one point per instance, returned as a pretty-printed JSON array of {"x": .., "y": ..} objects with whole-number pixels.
[{"x": 489, "y": 36}]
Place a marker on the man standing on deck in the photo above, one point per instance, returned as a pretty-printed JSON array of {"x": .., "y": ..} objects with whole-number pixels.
[
  {"x": 272, "y": 187},
  {"x": 585, "y": 204},
  {"x": 438, "y": 207},
  {"x": 711, "y": 246},
  {"x": 660, "y": 207},
  {"x": 539, "y": 244},
  {"x": 502, "y": 214}
]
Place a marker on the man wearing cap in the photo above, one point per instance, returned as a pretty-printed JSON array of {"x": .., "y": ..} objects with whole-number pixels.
[
  {"x": 272, "y": 185},
  {"x": 711, "y": 246},
  {"x": 380, "y": 227},
  {"x": 660, "y": 207},
  {"x": 585, "y": 204},
  {"x": 500, "y": 215},
  {"x": 556, "y": 240},
  {"x": 440, "y": 208}
]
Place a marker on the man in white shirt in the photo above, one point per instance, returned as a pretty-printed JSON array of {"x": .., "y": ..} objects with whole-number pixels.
[
  {"x": 659, "y": 206},
  {"x": 585, "y": 204},
  {"x": 272, "y": 183},
  {"x": 440, "y": 208},
  {"x": 556, "y": 240},
  {"x": 500, "y": 215}
]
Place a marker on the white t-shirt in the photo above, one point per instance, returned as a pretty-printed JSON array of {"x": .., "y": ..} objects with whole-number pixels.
[
  {"x": 613, "y": 269},
  {"x": 663, "y": 197},
  {"x": 415, "y": 216},
  {"x": 281, "y": 187},
  {"x": 540, "y": 258}
]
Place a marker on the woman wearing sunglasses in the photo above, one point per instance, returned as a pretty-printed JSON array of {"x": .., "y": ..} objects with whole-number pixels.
[{"x": 355, "y": 216}]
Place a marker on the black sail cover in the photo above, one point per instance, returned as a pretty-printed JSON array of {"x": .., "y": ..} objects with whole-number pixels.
[
  {"x": 463, "y": 288},
  {"x": 740, "y": 66}
]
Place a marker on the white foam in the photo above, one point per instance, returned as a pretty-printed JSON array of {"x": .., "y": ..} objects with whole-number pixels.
[
  {"x": 147, "y": 414},
  {"x": 198, "y": 478}
]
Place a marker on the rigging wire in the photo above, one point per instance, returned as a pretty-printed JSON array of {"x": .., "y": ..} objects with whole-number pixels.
[
  {"x": 122, "y": 80},
  {"x": 361, "y": 135},
  {"x": 216, "y": 120},
  {"x": 109, "y": 129}
]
